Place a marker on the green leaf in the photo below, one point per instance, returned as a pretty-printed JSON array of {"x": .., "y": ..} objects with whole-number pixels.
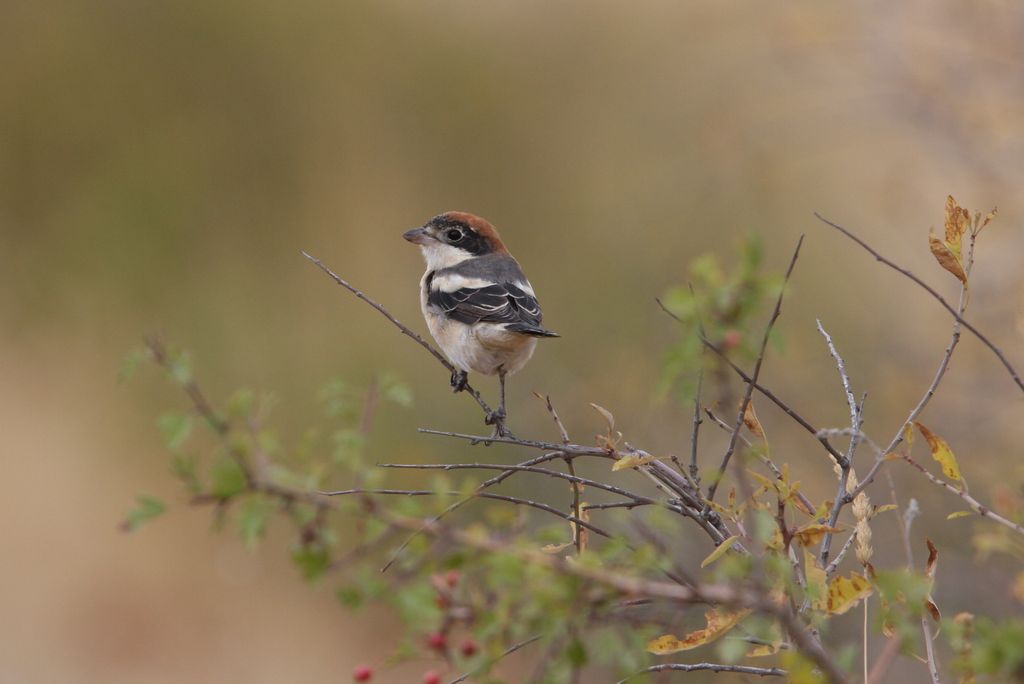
[
  {"x": 175, "y": 428},
  {"x": 130, "y": 364},
  {"x": 312, "y": 560},
  {"x": 350, "y": 597},
  {"x": 185, "y": 466},
  {"x": 252, "y": 519},
  {"x": 148, "y": 508},
  {"x": 228, "y": 479},
  {"x": 577, "y": 653},
  {"x": 397, "y": 392},
  {"x": 719, "y": 551},
  {"x": 241, "y": 403}
]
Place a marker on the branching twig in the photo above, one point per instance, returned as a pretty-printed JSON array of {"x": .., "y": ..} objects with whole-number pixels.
[
  {"x": 856, "y": 418},
  {"x": 401, "y": 326},
  {"x": 481, "y": 495},
  {"x": 757, "y": 372},
  {"x": 508, "y": 652},
  {"x": 711, "y": 667},
  {"x": 957, "y": 314},
  {"x": 976, "y": 506}
]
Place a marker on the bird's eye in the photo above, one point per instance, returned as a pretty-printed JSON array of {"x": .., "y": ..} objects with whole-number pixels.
[{"x": 454, "y": 235}]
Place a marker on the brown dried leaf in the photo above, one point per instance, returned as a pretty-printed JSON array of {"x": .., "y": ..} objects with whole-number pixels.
[
  {"x": 811, "y": 535},
  {"x": 718, "y": 625},
  {"x": 751, "y": 421},
  {"x": 946, "y": 257},
  {"x": 555, "y": 548},
  {"x": 957, "y": 221},
  {"x": 933, "y": 558}
]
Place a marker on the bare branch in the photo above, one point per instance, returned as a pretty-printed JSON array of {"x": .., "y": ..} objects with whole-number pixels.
[
  {"x": 401, "y": 326},
  {"x": 856, "y": 418},
  {"x": 957, "y": 314},
  {"x": 508, "y": 652},
  {"x": 532, "y": 469},
  {"x": 976, "y": 506},
  {"x": 481, "y": 495},
  {"x": 757, "y": 372},
  {"x": 711, "y": 667},
  {"x": 694, "y": 471}
]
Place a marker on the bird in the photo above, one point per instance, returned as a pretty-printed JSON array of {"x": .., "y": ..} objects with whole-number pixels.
[{"x": 478, "y": 304}]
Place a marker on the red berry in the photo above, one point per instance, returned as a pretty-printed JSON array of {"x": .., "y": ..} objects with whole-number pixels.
[
  {"x": 732, "y": 338},
  {"x": 453, "y": 578},
  {"x": 362, "y": 673},
  {"x": 469, "y": 648},
  {"x": 437, "y": 641},
  {"x": 432, "y": 677}
]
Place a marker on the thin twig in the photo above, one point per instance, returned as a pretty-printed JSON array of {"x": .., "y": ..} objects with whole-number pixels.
[
  {"x": 508, "y": 652},
  {"x": 531, "y": 469},
  {"x": 401, "y": 326},
  {"x": 497, "y": 479},
  {"x": 940, "y": 372},
  {"x": 481, "y": 495},
  {"x": 958, "y": 315},
  {"x": 856, "y": 418},
  {"x": 694, "y": 470},
  {"x": 577, "y": 533},
  {"x": 711, "y": 667},
  {"x": 757, "y": 372},
  {"x": 764, "y": 459},
  {"x": 976, "y": 506}
]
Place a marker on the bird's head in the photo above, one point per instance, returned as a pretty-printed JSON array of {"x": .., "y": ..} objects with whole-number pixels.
[{"x": 453, "y": 237}]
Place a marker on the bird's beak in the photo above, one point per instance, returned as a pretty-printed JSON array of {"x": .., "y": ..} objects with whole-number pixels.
[{"x": 418, "y": 236}]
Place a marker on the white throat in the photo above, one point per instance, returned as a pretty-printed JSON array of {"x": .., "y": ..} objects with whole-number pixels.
[{"x": 439, "y": 255}]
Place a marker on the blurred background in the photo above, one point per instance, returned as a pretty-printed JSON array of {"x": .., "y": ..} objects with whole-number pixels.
[{"x": 162, "y": 164}]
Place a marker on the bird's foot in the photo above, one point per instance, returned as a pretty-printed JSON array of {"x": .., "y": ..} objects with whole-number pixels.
[
  {"x": 460, "y": 380},
  {"x": 497, "y": 419}
]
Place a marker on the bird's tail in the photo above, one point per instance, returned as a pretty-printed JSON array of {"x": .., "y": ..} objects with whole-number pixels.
[{"x": 531, "y": 330}]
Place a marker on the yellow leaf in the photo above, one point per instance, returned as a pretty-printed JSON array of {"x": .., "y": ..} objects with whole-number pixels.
[
  {"x": 582, "y": 533},
  {"x": 884, "y": 507},
  {"x": 632, "y": 461},
  {"x": 718, "y": 625},
  {"x": 765, "y": 649},
  {"x": 555, "y": 548},
  {"x": 941, "y": 452},
  {"x": 799, "y": 503},
  {"x": 1018, "y": 587},
  {"x": 817, "y": 581},
  {"x": 845, "y": 593},
  {"x": 810, "y": 535},
  {"x": 908, "y": 436},
  {"x": 946, "y": 258},
  {"x": 751, "y": 421},
  {"x": 959, "y": 514},
  {"x": 720, "y": 551}
]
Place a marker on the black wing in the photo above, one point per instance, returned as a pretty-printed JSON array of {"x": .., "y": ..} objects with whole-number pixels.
[{"x": 499, "y": 303}]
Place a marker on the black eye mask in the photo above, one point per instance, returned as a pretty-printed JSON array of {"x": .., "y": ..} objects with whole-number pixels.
[{"x": 458, "y": 234}]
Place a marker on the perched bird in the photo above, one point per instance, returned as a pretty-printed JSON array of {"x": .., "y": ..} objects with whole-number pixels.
[{"x": 479, "y": 306}]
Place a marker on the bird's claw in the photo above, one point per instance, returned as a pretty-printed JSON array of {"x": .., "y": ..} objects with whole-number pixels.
[
  {"x": 460, "y": 380},
  {"x": 497, "y": 419}
]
